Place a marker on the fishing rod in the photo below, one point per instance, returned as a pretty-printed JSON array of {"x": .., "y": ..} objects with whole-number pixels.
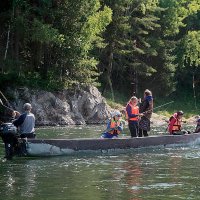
[
  {"x": 158, "y": 107},
  {"x": 163, "y": 105},
  {"x": 8, "y": 103},
  {"x": 14, "y": 113},
  {"x": 1, "y": 102}
]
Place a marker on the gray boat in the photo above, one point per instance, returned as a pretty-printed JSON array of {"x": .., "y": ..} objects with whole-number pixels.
[{"x": 53, "y": 147}]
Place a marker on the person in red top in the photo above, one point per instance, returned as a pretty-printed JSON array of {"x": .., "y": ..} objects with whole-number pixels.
[{"x": 175, "y": 123}]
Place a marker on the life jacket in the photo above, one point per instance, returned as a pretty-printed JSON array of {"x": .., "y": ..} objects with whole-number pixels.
[
  {"x": 114, "y": 124},
  {"x": 176, "y": 125},
  {"x": 135, "y": 111}
]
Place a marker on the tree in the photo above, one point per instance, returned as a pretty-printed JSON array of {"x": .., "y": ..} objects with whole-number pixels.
[
  {"x": 130, "y": 43},
  {"x": 52, "y": 40}
]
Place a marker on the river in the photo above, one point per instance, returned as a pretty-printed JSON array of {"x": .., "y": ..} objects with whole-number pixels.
[{"x": 141, "y": 174}]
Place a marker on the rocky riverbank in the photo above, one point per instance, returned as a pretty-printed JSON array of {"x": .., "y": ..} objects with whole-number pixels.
[
  {"x": 65, "y": 107},
  {"x": 70, "y": 107}
]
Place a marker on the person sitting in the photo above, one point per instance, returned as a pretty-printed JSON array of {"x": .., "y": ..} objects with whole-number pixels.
[
  {"x": 197, "y": 130},
  {"x": 26, "y": 122},
  {"x": 15, "y": 115},
  {"x": 175, "y": 124},
  {"x": 114, "y": 126}
]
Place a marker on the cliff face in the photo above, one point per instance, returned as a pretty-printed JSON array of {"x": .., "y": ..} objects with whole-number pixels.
[{"x": 63, "y": 108}]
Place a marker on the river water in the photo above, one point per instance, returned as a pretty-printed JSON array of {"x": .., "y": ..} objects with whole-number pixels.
[{"x": 141, "y": 174}]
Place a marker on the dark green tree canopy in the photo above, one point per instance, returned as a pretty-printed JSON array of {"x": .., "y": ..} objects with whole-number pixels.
[{"x": 118, "y": 45}]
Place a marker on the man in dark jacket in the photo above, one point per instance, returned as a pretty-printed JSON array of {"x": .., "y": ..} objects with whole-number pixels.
[{"x": 146, "y": 107}]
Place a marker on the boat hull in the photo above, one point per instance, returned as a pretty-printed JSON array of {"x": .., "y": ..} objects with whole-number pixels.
[{"x": 51, "y": 147}]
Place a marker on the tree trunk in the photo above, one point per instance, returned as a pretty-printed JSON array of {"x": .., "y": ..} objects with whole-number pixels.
[
  {"x": 194, "y": 92},
  {"x": 7, "y": 43},
  {"x": 16, "y": 38},
  {"x": 109, "y": 70},
  {"x": 46, "y": 61}
]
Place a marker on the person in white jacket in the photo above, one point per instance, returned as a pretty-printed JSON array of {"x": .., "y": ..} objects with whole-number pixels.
[{"x": 26, "y": 122}]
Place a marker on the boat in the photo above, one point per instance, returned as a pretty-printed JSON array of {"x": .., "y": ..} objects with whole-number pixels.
[{"x": 55, "y": 147}]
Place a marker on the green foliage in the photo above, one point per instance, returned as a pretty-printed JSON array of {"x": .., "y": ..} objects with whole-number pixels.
[
  {"x": 122, "y": 45},
  {"x": 45, "y": 33},
  {"x": 54, "y": 40},
  {"x": 174, "y": 15},
  {"x": 94, "y": 26},
  {"x": 192, "y": 48},
  {"x": 186, "y": 104}
]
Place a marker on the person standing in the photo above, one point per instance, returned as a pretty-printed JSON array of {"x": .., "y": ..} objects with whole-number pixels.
[
  {"x": 114, "y": 126},
  {"x": 26, "y": 122},
  {"x": 132, "y": 113},
  {"x": 145, "y": 107}
]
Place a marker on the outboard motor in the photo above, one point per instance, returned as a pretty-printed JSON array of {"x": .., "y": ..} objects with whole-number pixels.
[
  {"x": 8, "y": 128},
  {"x": 8, "y": 133}
]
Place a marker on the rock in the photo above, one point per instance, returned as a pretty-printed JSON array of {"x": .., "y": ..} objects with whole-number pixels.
[
  {"x": 63, "y": 108},
  {"x": 159, "y": 120},
  {"x": 193, "y": 120}
]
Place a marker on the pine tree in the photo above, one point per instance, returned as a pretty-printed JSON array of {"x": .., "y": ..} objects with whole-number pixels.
[{"x": 130, "y": 43}]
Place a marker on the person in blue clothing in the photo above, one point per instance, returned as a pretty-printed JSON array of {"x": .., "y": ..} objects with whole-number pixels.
[
  {"x": 26, "y": 122},
  {"x": 133, "y": 115},
  {"x": 145, "y": 107},
  {"x": 114, "y": 126}
]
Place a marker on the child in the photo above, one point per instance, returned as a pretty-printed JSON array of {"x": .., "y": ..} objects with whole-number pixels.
[
  {"x": 175, "y": 124},
  {"x": 114, "y": 126},
  {"x": 132, "y": 111}
]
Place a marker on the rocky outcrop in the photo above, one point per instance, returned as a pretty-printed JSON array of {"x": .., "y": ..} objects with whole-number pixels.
[{"x": 63, "y": 108}]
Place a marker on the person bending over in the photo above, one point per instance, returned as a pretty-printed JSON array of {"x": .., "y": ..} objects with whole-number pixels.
[
  {"x": 114, "y": 126},
  {"x": 175, "y": 123}
]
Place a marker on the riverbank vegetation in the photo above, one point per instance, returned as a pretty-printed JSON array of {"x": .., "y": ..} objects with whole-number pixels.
[
  {"x": 163, "y": 106},
  {"x": 121, "y": 46}
]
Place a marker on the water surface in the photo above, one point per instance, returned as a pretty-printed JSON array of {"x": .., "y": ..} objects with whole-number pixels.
[{"x": 141, "y": 174}]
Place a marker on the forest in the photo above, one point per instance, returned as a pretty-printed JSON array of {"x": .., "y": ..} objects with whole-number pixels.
[{"x": 120, "y": 46}]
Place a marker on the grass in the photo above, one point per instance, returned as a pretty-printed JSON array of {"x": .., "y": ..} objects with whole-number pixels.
[{"x": 184, "y": 102}]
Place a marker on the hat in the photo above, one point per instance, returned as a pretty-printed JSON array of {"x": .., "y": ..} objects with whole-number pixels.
[
  {"x": 116, "y": 113},
  {"x": 180, "y": 112},
  {"x": 27, "y": 106}
]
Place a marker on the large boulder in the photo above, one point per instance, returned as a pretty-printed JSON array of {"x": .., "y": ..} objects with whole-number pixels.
[{"x": 81, "y": 106}]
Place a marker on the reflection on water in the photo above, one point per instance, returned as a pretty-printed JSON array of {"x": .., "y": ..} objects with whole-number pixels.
[{"x": 141, "y": 174}]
